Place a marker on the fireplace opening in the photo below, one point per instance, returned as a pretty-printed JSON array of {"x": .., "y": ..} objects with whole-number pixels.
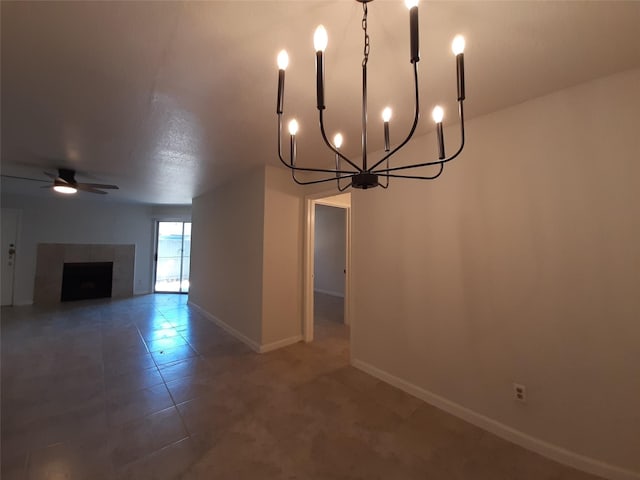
[{"x": 84, "y": 281}]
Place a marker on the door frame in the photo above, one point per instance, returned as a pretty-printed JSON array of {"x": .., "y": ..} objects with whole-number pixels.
[
  {"x": 17, "y": 245},
  {"x": 311, "y": 201}
]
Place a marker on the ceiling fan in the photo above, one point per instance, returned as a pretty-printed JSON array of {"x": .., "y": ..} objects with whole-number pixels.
[{"x": 65, "y": 182}]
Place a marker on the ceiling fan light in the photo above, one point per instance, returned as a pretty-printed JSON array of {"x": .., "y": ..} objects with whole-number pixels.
[{"x": 67, "y": 190}]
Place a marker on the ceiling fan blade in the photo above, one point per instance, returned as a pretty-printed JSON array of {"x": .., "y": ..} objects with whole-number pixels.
[
  {"x": 65, "y": 177},
  {"x": 26, "y": 178},
  {"x": 99, "y": 185},
  {"x": 83, "y": 187}
]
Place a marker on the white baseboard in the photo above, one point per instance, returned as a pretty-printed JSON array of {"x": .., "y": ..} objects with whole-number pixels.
[
  {"x": 227, "y": 328},
  {"x": 329, "y": 292},
  {"x": 255, "y": 346},
  {"x": 280, "y": 343},
  {"x": 537, "y": 445}
]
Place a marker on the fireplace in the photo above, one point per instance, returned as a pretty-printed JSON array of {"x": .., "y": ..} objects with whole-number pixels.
[
  {"x": 86, "y": 280},
  {"x": 52, "y": 257}
]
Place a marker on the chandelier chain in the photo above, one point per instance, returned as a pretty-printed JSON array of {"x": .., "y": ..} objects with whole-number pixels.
[{"x": 367, "y": 44}]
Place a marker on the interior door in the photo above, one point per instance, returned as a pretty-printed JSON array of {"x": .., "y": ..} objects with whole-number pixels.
[
  {"x": 173, "y": 252},
  {"x": 9, "y": 238}
]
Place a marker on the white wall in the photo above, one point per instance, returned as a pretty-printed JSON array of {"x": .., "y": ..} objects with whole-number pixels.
[
  {"x": 520, "y": 264},
  {"x": 282, "y": 273},
  {"x": 340, "y": 200},
  {"x": 78, "y": 220},
  {"x": 227, "y": 254},
  {"x": 246, "y": 255},
  {"x": 171, "y": 213},
  {"x": 329, "y": 250}
]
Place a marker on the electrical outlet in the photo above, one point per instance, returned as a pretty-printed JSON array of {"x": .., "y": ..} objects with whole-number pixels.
[{"x": 519, "y": 392}]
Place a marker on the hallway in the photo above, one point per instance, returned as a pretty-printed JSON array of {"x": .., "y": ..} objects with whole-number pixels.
[{"x": 328, "y": 317}]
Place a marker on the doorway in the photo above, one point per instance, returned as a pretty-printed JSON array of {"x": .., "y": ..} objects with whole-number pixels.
[
  {"x": 172, "y": 258},
  {"x": 329, "y": 267},
  {"x": 10, "y": 221},
  {"x": 327, "y": 264}
]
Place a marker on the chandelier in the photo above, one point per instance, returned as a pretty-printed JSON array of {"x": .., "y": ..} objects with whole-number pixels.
[{"x": 348, "y": 173}]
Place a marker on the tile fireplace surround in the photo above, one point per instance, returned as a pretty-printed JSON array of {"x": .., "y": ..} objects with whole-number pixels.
[{"x": 52, "y": 257}]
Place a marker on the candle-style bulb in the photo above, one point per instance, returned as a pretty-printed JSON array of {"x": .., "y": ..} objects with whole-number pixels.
[
  {"x": 320, "y": 39},
  {"x": 457, "y": 46},
  {"x": 386, "y": 114},
  {"x": 414, "y": 34},
  {"x": 293, "y": 127},
  {"x": 320, "y": 43},
  {"x": 283, "y": 60},
  {"x": 337, "y": 140},
  {"x": 437, "y": 114}
]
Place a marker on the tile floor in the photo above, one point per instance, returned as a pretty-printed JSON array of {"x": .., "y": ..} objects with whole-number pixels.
[{"x": 147, "y": 388}]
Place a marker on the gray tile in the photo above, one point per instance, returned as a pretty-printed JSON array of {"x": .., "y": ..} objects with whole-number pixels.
[
  {"x": 173, "y": 354},
  {"x": 187, "y": 388},
  {"x": 133, "y": 381},
  {"x": 125, "y": 407},
  {"x": 120, "y": 365},
  {"x": 166, "y": 464},
  {"x": 190, "y": 367},
  {"x": 139, "y": 438},
  {"x": 82, "y": 397},
  {"x": 71, "y": 460}
]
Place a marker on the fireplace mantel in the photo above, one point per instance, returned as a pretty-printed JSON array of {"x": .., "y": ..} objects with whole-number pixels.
[{"x": 52, "y": 257}]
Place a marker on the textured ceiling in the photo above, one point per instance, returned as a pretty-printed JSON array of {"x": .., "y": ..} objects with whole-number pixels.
[{"x": 169, "y": 99}]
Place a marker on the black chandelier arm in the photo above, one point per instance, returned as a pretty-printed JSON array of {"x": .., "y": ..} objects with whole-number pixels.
[
  {"x": 386, "y": 185},
  {"x": 347, "y": 173},
  {"x": 338, "y": 176},
  {"x": 435, "y": 162},
  {"x": 342, "y": 189},
  {"x": 312, "y": 182},
  {"x": 280, "y": 138},
  {"x": 416, "y": 117},
  {"x": 331, "y": 147},
  {"x": 432, "y": 177}
]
